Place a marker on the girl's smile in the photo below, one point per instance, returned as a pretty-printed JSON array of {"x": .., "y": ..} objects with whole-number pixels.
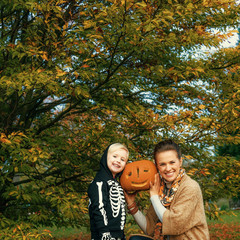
[{"x": 117, "y": 160}]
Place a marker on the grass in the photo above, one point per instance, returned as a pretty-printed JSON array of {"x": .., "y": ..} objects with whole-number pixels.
[
  {"x": 225, "y": 228},
  {"x": 61, "y": 233},
  {"x": 231, "y": 217},
  {"x": 69, "y": 233}
]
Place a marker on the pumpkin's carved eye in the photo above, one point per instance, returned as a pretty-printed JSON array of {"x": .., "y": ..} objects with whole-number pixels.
[
  {"x": 145, "y": 170},
  {"x": 130, "y": 174}
]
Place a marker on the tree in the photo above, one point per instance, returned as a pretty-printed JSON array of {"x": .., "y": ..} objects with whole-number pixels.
[{"x": 78, "y": 75}]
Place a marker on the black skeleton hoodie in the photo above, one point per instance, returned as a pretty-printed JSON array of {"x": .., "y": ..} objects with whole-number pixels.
[{"x": 106, "y": 204}]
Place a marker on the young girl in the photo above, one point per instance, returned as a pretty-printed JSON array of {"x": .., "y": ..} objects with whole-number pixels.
[
  {"x": 177, "y": 210},
  {"x": 106, "y": 198}
]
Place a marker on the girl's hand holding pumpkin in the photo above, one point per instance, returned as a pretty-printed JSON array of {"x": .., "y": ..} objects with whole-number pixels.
[
  {"x": 131, "y": 204},
  {"x": 130, "y": 197},
  {"x": 155, "y": 187}
]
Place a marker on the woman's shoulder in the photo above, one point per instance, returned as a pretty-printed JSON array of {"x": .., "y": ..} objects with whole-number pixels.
[{"x": 190, "y": 184}]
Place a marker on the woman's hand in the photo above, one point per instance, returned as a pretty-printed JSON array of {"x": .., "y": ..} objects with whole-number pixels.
[{"x": 155, "y": 187}]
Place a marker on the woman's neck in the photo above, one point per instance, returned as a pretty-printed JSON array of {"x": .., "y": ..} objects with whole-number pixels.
[{"x": 168, "y": 184}]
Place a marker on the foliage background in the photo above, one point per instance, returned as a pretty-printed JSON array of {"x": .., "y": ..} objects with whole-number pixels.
[{"x": 76, "y": 76}]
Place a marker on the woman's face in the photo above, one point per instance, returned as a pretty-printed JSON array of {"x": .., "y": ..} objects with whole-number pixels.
[{"x": 168, "y": 164}]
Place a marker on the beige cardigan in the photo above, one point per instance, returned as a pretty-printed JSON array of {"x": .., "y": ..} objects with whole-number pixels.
[{"x": 185, "y": 219}]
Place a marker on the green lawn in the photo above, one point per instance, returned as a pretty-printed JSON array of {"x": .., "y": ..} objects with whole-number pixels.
[
  {"x": 67, "y": 233},
  {"x": 233, "y": 217},
  {"x": 59, "y": 233}
]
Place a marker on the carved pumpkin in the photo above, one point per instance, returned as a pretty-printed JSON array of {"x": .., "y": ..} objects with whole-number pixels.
[{"x": 138, "y": 175}]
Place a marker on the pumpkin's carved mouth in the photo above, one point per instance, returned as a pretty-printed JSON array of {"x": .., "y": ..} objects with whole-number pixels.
[{"x": 139, "y": 184}]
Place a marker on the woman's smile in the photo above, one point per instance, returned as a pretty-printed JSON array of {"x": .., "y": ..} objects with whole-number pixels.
[{"x": 168, "y": 165}]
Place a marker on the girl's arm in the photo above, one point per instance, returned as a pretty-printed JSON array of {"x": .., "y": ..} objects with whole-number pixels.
[{"x": 97, "y": 194}]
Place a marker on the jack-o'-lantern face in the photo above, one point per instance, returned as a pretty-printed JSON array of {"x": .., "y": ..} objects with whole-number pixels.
[{"x": 138, "y": 175}]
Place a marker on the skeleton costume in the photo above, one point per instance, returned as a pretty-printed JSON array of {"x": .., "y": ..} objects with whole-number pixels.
[{"x": 106, "y": 205}]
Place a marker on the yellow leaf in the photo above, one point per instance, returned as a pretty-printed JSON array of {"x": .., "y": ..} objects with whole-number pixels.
[
  {"x": 22, "y": 134},
  {"x": 235, "y": 113},
  {"x": 4, "y": 140},
  {"x": 60, "y": 73},
  {"x": 88, "y": 24},
  {"x": 190, "y": 6},
  {"x": 127, "y": 108},
  {"x": 142, "y": 4},
  {"x": 234, "y": 214},
  {"x": 44, "y": 56}
]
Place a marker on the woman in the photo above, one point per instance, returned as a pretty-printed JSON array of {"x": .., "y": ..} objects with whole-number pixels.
[{"x": 176, "y": 210}]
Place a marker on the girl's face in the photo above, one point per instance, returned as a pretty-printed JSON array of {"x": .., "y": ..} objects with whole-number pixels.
[
  {"x": 168, "y": 164},
  {"x": 116, "y": 161}
]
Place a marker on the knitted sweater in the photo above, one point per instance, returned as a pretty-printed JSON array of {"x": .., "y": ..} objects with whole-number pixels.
[{"x": 185, "y": 219}]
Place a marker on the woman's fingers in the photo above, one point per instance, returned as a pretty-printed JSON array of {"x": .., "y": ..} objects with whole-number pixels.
[{"x": 157, "y": 179}]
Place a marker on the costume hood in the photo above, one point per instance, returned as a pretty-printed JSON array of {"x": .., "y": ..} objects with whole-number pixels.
[{"x": 104, "y": 172}]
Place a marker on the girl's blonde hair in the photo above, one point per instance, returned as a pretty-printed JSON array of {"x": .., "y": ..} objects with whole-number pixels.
[{"x": 115, "y": 146}]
